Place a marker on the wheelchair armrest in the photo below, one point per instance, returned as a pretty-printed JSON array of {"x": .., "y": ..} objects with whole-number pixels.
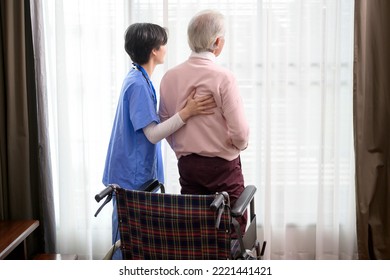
[
  {"x": 243, "y": 201},
  {"x": 152, "y": 186}
]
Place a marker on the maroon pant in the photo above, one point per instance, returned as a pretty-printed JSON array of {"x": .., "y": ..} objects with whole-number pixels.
[{"x": 208, "y": 175}]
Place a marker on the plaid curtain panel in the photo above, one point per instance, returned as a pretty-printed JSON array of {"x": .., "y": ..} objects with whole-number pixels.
[{"x": 171, "y": 226}]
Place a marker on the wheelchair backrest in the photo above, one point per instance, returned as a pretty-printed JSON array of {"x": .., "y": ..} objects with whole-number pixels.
[{"x": 171, "y": 226}]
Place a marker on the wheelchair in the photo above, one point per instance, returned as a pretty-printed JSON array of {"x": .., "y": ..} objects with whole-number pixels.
[{"x": 160, "y": 226}]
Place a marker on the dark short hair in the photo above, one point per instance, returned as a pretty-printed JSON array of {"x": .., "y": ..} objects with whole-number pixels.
[{"x": 142, "y": 38}]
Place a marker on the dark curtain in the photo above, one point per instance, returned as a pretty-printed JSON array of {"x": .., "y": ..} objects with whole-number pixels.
[
  {"x": 372, "y": 127},
  {"x": 25, "y": 172}
]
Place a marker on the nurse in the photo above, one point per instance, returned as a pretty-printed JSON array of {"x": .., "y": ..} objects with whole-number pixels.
[{"x": 134, "y": 154}]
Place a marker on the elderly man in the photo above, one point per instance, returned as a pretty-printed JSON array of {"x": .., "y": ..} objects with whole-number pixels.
[{"x": 207, "y": 147}]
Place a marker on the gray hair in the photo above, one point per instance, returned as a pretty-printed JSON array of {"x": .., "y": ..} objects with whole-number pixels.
[{"x": 203, "y": 29}]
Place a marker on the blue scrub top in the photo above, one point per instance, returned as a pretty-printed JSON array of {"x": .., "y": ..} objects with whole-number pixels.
[{"x": 131, "y": 159}]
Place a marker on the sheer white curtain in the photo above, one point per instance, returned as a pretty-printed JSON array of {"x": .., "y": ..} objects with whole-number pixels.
[
  {"x": 86, "y": 65},
  {"x": 293, "y": 62}
]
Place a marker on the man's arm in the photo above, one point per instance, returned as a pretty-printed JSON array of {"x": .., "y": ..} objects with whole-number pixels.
[{"x": 233, "y": 111}]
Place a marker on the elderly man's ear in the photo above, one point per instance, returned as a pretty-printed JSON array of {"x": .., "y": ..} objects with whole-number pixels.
[{"x": 219, "y": 43}]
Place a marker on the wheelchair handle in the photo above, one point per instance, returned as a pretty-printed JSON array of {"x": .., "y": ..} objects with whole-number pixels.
[
  {"x": 218, "y": 200},
  {"x": 104, "y": 193}
]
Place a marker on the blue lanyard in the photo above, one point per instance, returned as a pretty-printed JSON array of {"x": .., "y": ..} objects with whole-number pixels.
[{"x": 146, "y": 76}]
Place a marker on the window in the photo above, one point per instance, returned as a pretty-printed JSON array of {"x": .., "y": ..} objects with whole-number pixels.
[{"x": 293, "y": 62}]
